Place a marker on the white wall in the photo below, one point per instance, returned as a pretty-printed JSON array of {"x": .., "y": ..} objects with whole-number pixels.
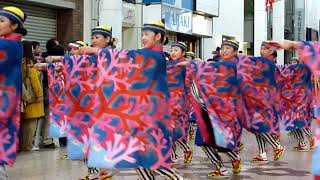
[
  {"x": 312, "y": 14},
  {"x": 260, "y": 25},
  {"x": 152, "y": 13},
  {"x": 111, "y": 15},
  {"x": 88, "y": 15},
  {"x": 143, "y": 14},
  {"x": 278, "y": 27},
  {"x": 230, "y": 22},
  {"x": 132, "y": 35}
]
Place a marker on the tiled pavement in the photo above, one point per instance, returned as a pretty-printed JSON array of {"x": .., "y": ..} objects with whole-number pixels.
[{"x": 47, "y": 165}]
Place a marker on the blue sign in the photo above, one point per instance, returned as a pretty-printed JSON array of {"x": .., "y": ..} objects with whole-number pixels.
[
  {"x": 152, "y": 1},
  {"x": 184, "y": 4},
  {"x": 178, "y": 20}
]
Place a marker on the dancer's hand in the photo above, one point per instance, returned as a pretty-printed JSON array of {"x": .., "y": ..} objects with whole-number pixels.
[
  {"x": 184, "y": 63},
  {"x": 88, "y": 50},
  {"x": 286, "y": 44},
  {"x": 40, "y": 66},
  {"x": 51, "y": 59}
]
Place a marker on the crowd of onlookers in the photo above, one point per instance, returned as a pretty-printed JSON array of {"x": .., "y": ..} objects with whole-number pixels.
[{"x": 35, "y": 100}]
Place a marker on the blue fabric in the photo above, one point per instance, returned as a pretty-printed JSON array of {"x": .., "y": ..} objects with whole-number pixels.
[{"x": 10, "y": 89}]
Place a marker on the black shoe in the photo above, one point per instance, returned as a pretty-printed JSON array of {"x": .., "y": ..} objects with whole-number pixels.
[
  {"x": 63, "y": 142},
  {"x": 49, "y": 146}
]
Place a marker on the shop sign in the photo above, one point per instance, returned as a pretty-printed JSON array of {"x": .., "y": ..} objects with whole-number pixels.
[
  {"x": 299, "y": 21},
  {"x": 299, "y": 27},
  {"x": 178, "y": 20}
]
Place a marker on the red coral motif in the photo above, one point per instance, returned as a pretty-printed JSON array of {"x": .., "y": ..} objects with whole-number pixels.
[{"x": 3, "y": 55}]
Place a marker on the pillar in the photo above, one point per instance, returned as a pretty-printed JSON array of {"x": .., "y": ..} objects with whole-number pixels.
[
  {"x": 87, "y": 20},
  {"x": 110, "y": 14},
  {"x": 278, "y": 26},
  {"x": 260, "y": 25}
]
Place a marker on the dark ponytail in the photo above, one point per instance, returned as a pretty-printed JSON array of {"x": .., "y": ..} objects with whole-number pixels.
[
  {"x": 112, "y": 43},
  {"x": 21, "y": 31}
]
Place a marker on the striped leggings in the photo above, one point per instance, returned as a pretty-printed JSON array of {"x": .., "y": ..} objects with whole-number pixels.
[
  {"x": 298, "y": 134},
  {"x": 3, "y": 173},
  {"x": 184, "y": 146},
  {"x": 215, "y": 158},
  {"x": 148, "y": 174},
  {"x": 262, "y": 138}
]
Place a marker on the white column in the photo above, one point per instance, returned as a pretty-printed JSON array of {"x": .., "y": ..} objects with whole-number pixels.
[
  {"x": 260, "y": 25},
  {"x": 87, "y": 20},
  {"x": 110, "y": 14},
  {"x": 131, "y": 34},
  {"x": 278, "y": 26}
]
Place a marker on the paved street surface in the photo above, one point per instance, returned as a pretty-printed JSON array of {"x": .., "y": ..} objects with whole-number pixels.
[{"x": 47, "y": 165}]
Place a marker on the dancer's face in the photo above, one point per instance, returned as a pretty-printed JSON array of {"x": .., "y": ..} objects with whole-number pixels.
[
  {"x": 293, "y": 62},
  {"x": 265, "y": 52},
  {"x": 99, "y": 41},
  {"x": 176, "y": 53},
  {"x": 6, "y": 26},
  {"x": 150, "y": 39},
  {"x": 189, "y": 58},
  {"x": 228, "y": 52}
]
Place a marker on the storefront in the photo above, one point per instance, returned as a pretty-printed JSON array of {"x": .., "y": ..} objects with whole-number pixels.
[
  {"x": 61, "y": 19},
  {"x": 188, "y": 21},
  {"x": 202, "y": 33},
  {"x": 41, "y": 22},
  {"x": 202, "y": 22}
]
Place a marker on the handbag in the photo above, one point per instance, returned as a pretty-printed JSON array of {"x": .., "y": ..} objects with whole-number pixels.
[{"x": 31, "y": 95}]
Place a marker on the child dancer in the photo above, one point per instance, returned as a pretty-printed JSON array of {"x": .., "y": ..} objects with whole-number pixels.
[
  {"x": 263, "y": 137},
  {"x": 178, "y": 101},
  {"x": 211, "y": 110}
]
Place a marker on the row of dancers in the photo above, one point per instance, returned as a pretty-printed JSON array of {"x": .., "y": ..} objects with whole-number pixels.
[{"x": 225, "y": 96}]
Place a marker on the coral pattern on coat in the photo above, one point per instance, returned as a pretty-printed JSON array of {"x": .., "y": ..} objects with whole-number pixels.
[
  {"x": 132, "y": 125},
  {"x": 296, "y": 96},
  {"x": 178, "y": 102},
  {"x": 310, "y": 54},
  {"x": 219, "y": 88},
  {"x": 10, "y": 95}
]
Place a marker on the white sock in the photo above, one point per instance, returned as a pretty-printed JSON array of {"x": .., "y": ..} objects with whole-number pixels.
[
  {"x": 223, "y": 169},
  {"x": 263, "y": 155}
]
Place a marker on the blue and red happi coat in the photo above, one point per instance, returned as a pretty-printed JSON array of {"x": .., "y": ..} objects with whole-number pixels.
[
  {"x": 219, "y": 89},
  {"x": 296, "y": 96},
  {"x": 57, "y": 103},
  {"x": 256, "y": 77},
  {"x": 10, "y": 90},
  {"x": 178, "y": 102},
  {"x": 72, "y": 94},
  {"x": 310, "y": 54},
  {"x": 133, "y": 126},
  {"x": 81, "y": 79}
]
